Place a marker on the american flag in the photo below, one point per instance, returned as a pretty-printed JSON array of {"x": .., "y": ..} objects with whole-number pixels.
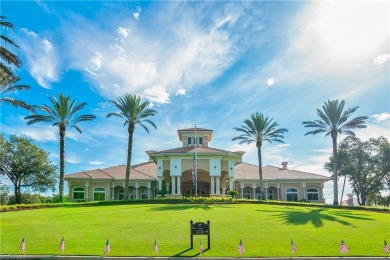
[
  {"x": 22, "y": 245},
  {"x": 194, "y": 169},
  {"x": 386, "y": 248},
  {"x": 62, "y": 245},
  {"x": 240, "y": 248},
  {"x": 107, "y": 248},
  {"x": 201, "y": 247},
  {"x": 343, "y": 247},
  {"x": 155, "y": 248},
  {"x": 293, "y": 247}
]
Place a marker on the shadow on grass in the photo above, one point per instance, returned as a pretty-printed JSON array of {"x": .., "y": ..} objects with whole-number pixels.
[
  {"x": 316, "y": 217},
  {"x": 182, "y": 253}
]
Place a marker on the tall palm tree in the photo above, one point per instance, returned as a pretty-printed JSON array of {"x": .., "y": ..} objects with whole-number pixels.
[
  {"x": 134, "y": 112},
  {"x": 258, "y": 129},
  {"x": 6, "y": 55},
  {"x": 62, "y": 114},
  {"x": 12, "y": 87},
  {"x": 334, "y": 120}
]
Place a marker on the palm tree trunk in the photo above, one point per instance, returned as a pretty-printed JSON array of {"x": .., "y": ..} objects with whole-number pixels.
[
  {"x": 62, "y": 163},
  {"x": 335, "y": 178},
  {"x": 129, "y": 153},
  {"x": 260, "y": 171},
  {"x": 342, "y": 192}
]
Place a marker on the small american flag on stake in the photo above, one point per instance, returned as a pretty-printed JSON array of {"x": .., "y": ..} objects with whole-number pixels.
[
  {"x": 386, "y": 247},
  {"x": 106, "y": 248},
  {"x": 62, "y": 245},
  {"x": 293, "y": 247},
  {"x": 240, "y": 248},
  {"x": 201, "y": 247},
  {"x": 22, "y": 245},
  {"x": 343, "y": 247},
  {"x": 155, "y": 248}
]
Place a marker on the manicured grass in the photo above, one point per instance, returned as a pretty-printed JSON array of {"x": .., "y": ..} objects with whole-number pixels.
[{"x": 265, "y": 230}]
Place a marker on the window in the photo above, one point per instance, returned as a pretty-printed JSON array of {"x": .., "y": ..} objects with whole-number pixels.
[
  {"x": 247, "y": 194},
  {"x": 292, "y": 194},
  {"x": 200, "y": 140},
  {"x": 312, "y": 194},
  {"x": 189, "y": 140},
  {"x": 99, "y": 194},
  {"x": 132, "y": 194},
  {"x": 121, "y": 194},
  {"x": 78, "y": 193},
  {"x": 269, "y": 194},
  {"x": 144, "y": 194}
]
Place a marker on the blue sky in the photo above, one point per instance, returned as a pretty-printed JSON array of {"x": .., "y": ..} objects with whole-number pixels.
[{"x": 204, "y": 62}]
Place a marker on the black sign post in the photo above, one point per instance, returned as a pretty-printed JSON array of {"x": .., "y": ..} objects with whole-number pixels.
[{"x": 200, "y": 228}]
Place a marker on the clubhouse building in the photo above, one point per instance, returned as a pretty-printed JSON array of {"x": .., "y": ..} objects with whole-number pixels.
[{"x": 218, "y": 171}]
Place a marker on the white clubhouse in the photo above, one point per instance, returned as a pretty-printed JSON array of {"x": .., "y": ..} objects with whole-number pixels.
[{"x": 218, "y": 171}]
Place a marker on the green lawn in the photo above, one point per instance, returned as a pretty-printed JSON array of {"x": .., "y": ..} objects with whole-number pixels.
[{"x": 132, "y": 229}]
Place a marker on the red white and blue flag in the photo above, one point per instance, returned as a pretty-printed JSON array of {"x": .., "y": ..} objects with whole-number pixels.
[
  {"x": 106, "y": 249},
  {"x": 386, "y": 247},
  {"x": 343, "y": 247},
  {"x": 62, "y": 245},
  {"x": 155, "y": 248},
  {"x": 194, "y": 169},
  {"x": 293, "y": 247},
  {"x": 22, "y": 245},
  {"x": 240, "y": 248}
]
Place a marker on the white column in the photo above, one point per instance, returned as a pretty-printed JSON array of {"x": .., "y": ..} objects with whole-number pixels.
[
  {"x": 112, "y": 191},
  {"x": 173, "y": 184},
  {"x": 70, "y": 195},
  {"x": 304, "y": 190},
  {"x": 231, "y": 184},
  {"x": 278, "y": 190},
  {"x": 159, "y": 180},
  {"x": 218, "y": 185},
  {"x": 254, "y": 190},
  {"x": 212, "y": 186},
  {"x": 86, "y": 190},
  {"x": 136, "y": 190},
  {"x": 178, "y": 192},
  {"x": 266, "y": 190},
  {"x": 242, "y": 190},
  {"x": 149, "y": 186}
]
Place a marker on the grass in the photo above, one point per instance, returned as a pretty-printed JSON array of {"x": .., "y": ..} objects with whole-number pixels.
[{"x": 265, "y": 230}]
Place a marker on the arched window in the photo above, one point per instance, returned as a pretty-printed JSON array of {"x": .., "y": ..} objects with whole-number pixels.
[
  {"x": 292, "y": 194},
  {"x": 269, "y": 194},
  {"x": 132, "y": 194},
  {"x": 312, "y": 194},
  {"x": 99, "y": 194},
  {"x": 144, "y": 194},
  {"x": 121, "y": 194},
  {"x": 189, "y": 140},
  {"x": 78, "y": 193},
  {"x": 247, "y": 194}
]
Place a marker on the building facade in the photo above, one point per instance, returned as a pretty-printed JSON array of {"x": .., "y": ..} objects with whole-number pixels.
[{"x": 217, "y": 171}]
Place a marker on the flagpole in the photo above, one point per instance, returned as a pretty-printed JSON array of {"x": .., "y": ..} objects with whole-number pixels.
[{"x": 196, "y": 167}]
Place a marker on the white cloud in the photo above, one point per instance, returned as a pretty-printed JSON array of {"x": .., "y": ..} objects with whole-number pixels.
[
  {"x": 380, "y": 60},
  {"x": 72, "y": 159},
  {"x": 42, "y": 58},
  {"x": 96, "y": 162},
  {"x": 381, "y": 117},
  {"x": 137, "y": 14},
  {"x": 373, "y": 131},
  {"x": 180, "y": 50},
  {"x": 38, "y": 132},
  {"x": 270, "y": 82}
]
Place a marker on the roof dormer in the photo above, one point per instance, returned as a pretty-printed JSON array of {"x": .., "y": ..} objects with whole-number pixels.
[{"x": 188, "y": 138}]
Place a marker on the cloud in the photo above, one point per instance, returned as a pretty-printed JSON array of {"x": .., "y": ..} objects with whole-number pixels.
[
  {"x": 380, "y": 60},
  {"x": 270, "y": 82},
  {"x": 164, "y": 57},
  {"x": 381, "y": 117},
  {"x": 96, "y": 162},
  {"x": 42, "y": 58},
  {"x": 137, "y": 14},
  {"x": 73, "y": 159}
]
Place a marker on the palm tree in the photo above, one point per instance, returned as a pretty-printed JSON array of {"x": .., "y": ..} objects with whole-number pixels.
[
  {"x": 6, "y": 55},
  {"x": 134, "y": 112},
  {"x": 259, "y": 129},
  {"x": 334, "y": 120},
  {"x": 11, "y": 87},
  {"x": 61, "y": 114}
]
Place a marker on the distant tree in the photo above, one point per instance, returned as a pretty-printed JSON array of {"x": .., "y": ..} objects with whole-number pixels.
[
  {"x": 4, "y": 194},
  {"x": 334, "y": 120},
  {"x": 367, "y": 164},
  {"x": 258, "y": 129},
  {"x": 134, "y": 112},
  {"x": 26, "y": 165},
  {"x": 61, "y": 114},
  {"x": 6, "y": 55}
]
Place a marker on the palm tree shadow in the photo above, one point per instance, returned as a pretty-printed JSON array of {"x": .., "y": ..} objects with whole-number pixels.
[
  {"x": 182, "y": 253},
  {"x": 315, "y": 217}
]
